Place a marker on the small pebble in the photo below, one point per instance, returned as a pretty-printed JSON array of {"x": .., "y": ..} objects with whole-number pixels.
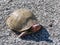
[
  {"x": 0, "y": 17},
  {"x": 50, "y": 25}
]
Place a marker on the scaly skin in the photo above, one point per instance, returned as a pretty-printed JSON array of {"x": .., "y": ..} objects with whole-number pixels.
[{"x": 34, "y": 28}]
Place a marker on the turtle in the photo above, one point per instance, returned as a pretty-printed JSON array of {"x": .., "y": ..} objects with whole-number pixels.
[{"x": 23, "y": 21}]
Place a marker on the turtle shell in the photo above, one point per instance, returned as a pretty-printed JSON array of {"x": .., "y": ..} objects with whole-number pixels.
[{"x": 20, "y": 20}]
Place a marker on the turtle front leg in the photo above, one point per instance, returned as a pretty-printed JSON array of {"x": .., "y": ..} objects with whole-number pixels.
[{"x": 22, "y": 34}]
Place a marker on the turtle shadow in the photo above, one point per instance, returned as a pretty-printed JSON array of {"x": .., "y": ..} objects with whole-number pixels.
[{"x": 41, "y": 35}]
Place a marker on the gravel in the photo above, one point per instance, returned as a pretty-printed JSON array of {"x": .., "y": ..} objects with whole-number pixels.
[{"x": 47, "y": 13}]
